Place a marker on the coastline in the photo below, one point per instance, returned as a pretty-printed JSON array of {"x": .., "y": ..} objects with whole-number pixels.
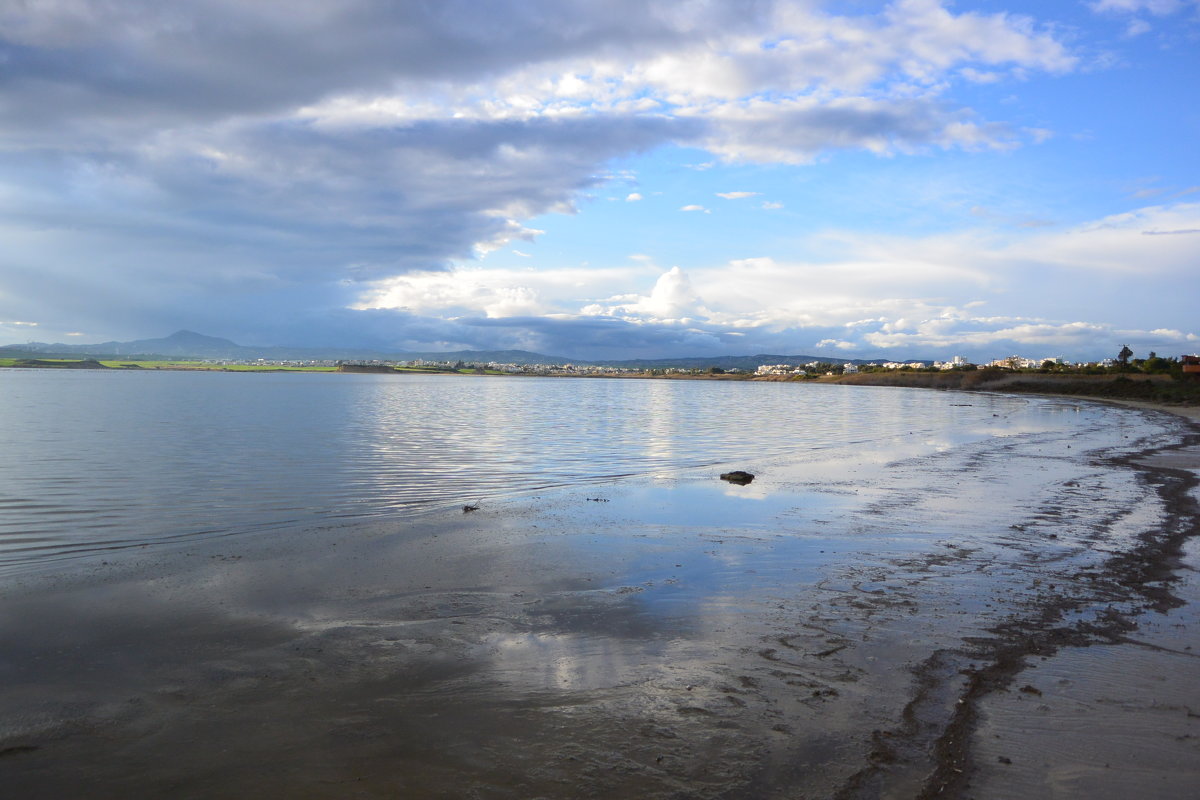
[
  {"x": 1190, "y": 413},
  {"x": 1109, "y": 709},
  {"x": 1183, "y": 395},
  {"x": 645, "y": 638}
]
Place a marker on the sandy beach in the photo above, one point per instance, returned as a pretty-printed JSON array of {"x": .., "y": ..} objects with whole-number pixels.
[{"x": 838, "y": 628}]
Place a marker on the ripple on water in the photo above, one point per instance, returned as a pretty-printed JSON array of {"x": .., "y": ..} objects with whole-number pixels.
[{"x": 95, "y": 460}]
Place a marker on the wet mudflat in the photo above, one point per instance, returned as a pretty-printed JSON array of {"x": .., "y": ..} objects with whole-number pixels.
[
  {"x": 888, "y": 620},
  {"x": 1115, "y": 721}
]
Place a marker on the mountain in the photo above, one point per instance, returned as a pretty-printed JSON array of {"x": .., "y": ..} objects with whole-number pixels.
[
  {"x": 181, "y": 344},
  {"x": 188, "y": 344}
]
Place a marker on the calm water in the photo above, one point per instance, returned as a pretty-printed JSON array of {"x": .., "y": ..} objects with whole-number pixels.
[{"x": 93, "y": 460}]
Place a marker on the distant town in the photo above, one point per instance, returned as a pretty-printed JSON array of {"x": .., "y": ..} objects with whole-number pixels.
[
  {"x": 1172, "y": 380},
  {"x": 807, "y": 369},
  {"x": 957, "y": 362},
  {"x": 189, "y": 350}
]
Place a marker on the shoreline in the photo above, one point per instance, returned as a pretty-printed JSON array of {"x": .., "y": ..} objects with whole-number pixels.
[
  {"x": 1150, "y": 578},
  {"x": 646, "y": 638},
  {"x": 1190, "y": 413},
  {"x": 1096, "y": 387}
]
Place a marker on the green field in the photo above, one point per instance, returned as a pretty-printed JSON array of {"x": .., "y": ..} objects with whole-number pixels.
[
  {"x": 199, "y": 366},
  {"x": 73, "y": 363}
]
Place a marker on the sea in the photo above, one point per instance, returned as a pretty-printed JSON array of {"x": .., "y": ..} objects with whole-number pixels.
[
  {"x": 95, "y": 462},
  {"x": 269, "y": 585}
]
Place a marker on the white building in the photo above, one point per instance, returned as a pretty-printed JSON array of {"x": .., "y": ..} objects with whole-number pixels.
[{"x": 779, "y": 369}]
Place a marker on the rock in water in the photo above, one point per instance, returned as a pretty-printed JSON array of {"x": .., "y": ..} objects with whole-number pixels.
[{"x": 737, "y": 476}]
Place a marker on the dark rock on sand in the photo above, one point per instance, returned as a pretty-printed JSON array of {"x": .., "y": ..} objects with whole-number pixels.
[{"x": 737, "y": 476}]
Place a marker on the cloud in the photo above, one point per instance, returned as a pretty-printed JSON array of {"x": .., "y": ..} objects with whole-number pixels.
[
  {"x": 632, "y": 197},
  {"x": 672, "y": 299},
  {"x": 1156, "y": 7},
  {"x": 288, "y": 206},
  {"x": 694, "y": 207},
  {"x": 941, "y": 335},
  {"x": 228, "y": 167},
  {"x": 797, "y": 130},
  {"x": 203, "y": 60},
  {"x": 1133, "y": 10},
  {"x": 107, "y": 73},
  {"x": 493, "y": 292},
  {"x": 982, "y": 294},
  {"x": 771, "y": 206},
  {"x": 596, "y": 336},
  {"x": 1119, "y": 244},
  {"x": 978, "y": 76},
  {"x": 737, "y": 195},
  {"x": 1030, "y": 336}
]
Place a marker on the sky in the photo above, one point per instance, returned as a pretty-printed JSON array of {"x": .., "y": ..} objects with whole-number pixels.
[{"x": 617, "y": 179}]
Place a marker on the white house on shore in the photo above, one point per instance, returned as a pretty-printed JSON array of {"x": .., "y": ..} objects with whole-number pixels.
[{"x": 779, "y": 369}]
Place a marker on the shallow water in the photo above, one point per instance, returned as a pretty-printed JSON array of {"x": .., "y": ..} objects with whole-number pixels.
[
  {"x": 659, "y": 635},
  {"x": 93, "y": 460}
]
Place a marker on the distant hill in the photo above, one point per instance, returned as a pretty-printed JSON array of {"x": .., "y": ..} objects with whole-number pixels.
[
  {"x": 744, "y": 363},
  {"x": 189, "y": 344},
  {"x": 181, "y": 344}
]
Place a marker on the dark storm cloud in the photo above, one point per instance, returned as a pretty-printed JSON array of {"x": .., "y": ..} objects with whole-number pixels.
[
  {"x": 142, "y": 63},
  {"x": 291, "y": 203},
  {"x": 411, "y": 197},
  {"x": 223, "y": 166},
  {"x": 600, "y": 336},
  {"x": 395, "y": 330},
  {"x": 589, "y": 338},
  {"x": 154, "y": 141},
  {"x": 386, "y": 330}
]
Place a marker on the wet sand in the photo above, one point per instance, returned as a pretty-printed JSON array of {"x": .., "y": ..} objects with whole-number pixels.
[
  {"x": 1187, "y": 412},
  {"x": 942, "y": 620},
  {"x": 1116, "y": 721}
]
